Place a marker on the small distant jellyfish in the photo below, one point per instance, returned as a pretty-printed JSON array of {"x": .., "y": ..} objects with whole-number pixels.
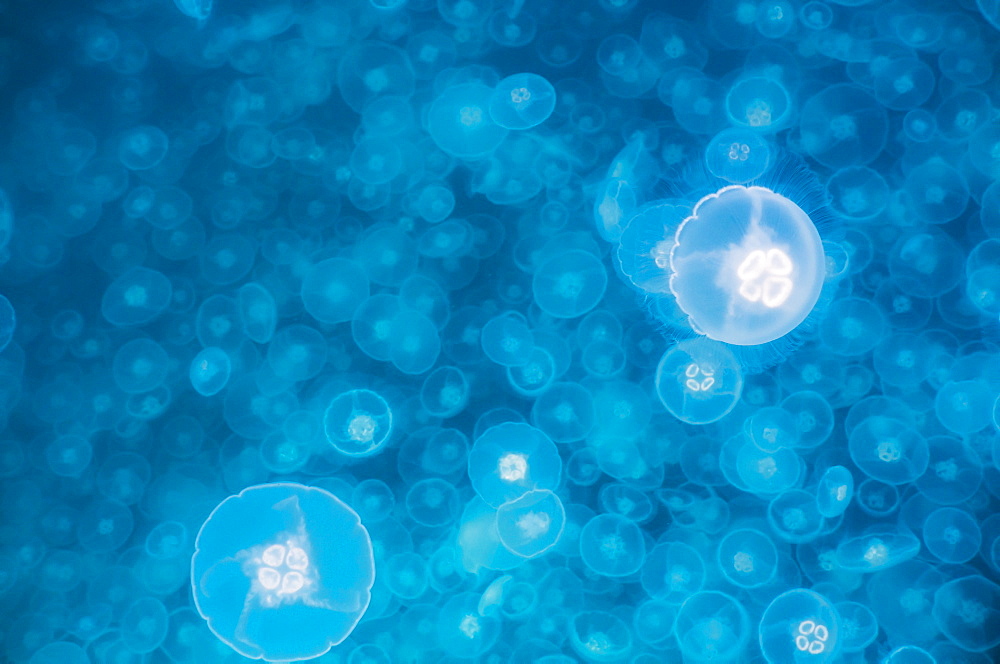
[
  {"x": 522, "y": 101},
  {"x": 699, "y": 381},
  {"x": 8, "y": 321},
  {"x": 737, "y": 155},
  {"x": 197, "y": 9},
  {"x": 747, "y": 266},
  {"x": 358, "y": 423},
  {"x": 282, "y": 572}
]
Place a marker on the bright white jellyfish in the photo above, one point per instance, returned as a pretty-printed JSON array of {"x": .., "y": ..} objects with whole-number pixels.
[
  {"x": 282, "y": 572},
  {"x": 747, "y": 266}
]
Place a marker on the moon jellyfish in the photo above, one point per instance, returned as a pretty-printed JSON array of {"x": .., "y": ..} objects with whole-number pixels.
[
  {"x": 459, "y": 122},
  {"x": 712, "y": 626},
  {"x": 799, "y": 626},
  {"x": 748, "y": 266},
  {"x": 522, "y": 101},
  {"x": 282, "y": 572},
  {"x": 699, "y": 381},
  {"x": 876, "y": 550},
  {"x": 737, "y": 155},
  {"x": 358, "y": 423},
  {"x": 8, "y": 322},
  {"x": 532, "y": 524},
  {"x": 199, "y": 9},
  {"x": 510, "y": 459},
  {"x": 967, "y": 611},
  {"x": 611, "y": 545}
]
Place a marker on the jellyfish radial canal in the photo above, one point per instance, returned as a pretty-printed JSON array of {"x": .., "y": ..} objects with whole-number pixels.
[{"x": 747, "y": 266}]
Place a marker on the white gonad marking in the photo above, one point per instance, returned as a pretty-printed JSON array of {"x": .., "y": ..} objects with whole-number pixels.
[
  {"x": 764, "y": 277},
  {"x": 693, "y": 383},
  {"x": 811, "y": 637}
]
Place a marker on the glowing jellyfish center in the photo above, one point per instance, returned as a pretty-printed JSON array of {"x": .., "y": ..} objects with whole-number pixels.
[
  {"x": 747, "y": 266},
  {"x": 513, "y": 467},
  {"x": 811, "y": 637},
  {"x": 362, "y": 428}
]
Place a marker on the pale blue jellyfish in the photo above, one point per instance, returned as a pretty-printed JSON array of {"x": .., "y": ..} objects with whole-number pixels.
[
  {"x": 876, "y": 550},
  {"x": 699, "y": 381},
  {"x": 136, "y": 297},
  {"x": 358, "y": 422},
  {"x": 858, "y": 626},
  {"x": 800, "y": 626},
  {"x": 747, "y": 266},
  {"x": 459, "y": 121},
  {"x": 673, "y": 571},
  {"x": 712, "y": 626},
  {"x": 600, "y": 636},
  {"x": 511, "y": 459},
  {"x": 198, "y": 9},
  {"x": 522, "y": 101},
  {"x": 282, "y": 572},
  {"x": 738, "y": 155},
  {"x": 952, "y": 535},
  {"x": 611, "y": 545},
  {"x": 888, "y": 450},
  {"x": 967, "y": 611},
  {"x": 531, "y": 524},
  {"x": 747, "y": 557},
  {"x": 8, "y": 318},
  {"x": 210, "y": 370},
  {"x": 834, "y": 491}
]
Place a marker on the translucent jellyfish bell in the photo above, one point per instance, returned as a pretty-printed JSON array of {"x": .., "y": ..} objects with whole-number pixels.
[
  {"x": 699, "y": 381},
  {"x": 799, "y": 626},
  {"x": 358, "y": 422},
  {"x": 282, "y": 572},
  {"x": 747, "y": 266}
]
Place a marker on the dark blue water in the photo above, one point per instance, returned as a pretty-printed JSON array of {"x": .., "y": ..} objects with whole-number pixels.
[{"x": 378, "y": 331}]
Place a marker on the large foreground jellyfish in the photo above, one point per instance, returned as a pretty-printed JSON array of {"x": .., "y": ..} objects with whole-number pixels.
[
  {"x": 282, "y": 572},
  {"x": 747, "y": 266}
]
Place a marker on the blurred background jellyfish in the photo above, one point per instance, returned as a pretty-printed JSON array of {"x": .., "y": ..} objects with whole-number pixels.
[
  {"x": 282, "y": 572},
  {"x": 747, "y": 266}
]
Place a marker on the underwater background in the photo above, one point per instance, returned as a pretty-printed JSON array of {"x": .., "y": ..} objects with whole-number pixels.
[{"x": 532, "y": 331}]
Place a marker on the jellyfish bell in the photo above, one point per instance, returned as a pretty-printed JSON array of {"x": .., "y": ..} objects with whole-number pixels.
[{"x": 747, "y": 266}]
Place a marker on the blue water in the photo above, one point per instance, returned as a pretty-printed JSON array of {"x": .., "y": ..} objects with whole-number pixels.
[{"x": 391, "y": 331}]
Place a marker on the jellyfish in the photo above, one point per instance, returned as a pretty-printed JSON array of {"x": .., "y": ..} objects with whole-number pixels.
[
  {"x": 210, "y": 370},
  {"x": 699, "y": 381},
  {"x": 510, "y": 459},
  {"x": 747, "y": 557},
  {"x": 834, "y": 491},
  {"x": 197, "y": 9},
  {"x": 612, "y": 545},
  {"x": 712, "y": 626},
  {"x": 522, "y": 101},
  {"x": 358, "y": 422},
  {"x": 531, "y": 524},
  {"x": 282, "y": 572},
  {"x": 797, "y": 624},
  {"x": 858, "y": 626},
  {"x": 967, "y": 611},
  {"x": 599, "y": 636},
  {"x": 747, "y": 266}
]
